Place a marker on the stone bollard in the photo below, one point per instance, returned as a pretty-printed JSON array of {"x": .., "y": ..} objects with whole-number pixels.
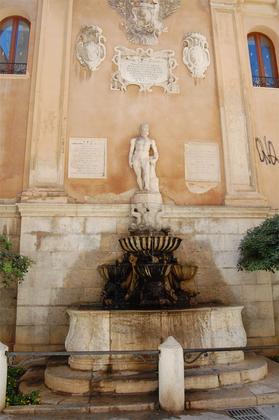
[
  {"x": 3, "y": 375},
  {"x": 171, "y": 376}
]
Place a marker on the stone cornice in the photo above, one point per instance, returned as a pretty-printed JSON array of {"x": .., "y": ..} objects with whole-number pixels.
[
  {"x": 235, "y": 2},
  {"x": 122, "y": 210},
  {"x": 9, "y": 210}
]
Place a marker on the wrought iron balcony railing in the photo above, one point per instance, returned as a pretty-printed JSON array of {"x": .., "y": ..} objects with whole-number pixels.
[
  {"x": 272, "y": 82},
  {"x": 13, "y": 68}
]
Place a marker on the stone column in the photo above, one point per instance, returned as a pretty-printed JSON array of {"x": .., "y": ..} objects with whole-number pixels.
[
  {"x": 44, "y": 168},
  {"x": 171, "y": 376},
  {"x": 3, "y": 375},
  {"x": 233, "y": 89}
]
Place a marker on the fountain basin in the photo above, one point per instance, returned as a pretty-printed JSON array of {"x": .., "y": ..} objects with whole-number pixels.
[
  {"x": 104, "y": 330},
  {"x": 149, "y": 244}
]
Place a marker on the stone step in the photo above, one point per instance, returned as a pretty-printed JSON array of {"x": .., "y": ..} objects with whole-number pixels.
[
  {"x": 64, "y": 406},
  {"x": 252, "y": 369},
  {"x": 264, "y": 391},
  {"x": 64, "y": 379}
]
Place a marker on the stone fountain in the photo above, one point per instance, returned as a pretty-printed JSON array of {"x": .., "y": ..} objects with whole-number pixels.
[{"x": 144, "y": 302}]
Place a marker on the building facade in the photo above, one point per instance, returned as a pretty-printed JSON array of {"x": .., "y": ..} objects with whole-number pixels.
[{"x": 71, "y": 100}]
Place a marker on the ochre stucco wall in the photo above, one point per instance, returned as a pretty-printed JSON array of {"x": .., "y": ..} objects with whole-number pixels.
[
  {"x": 14, "y": 106},
  {"x": 97, "y": 111},
  {"x": 264, "y": 105}
]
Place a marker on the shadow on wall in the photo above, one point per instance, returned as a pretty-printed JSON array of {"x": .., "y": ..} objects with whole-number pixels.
[{"x": 217, "y": 281}]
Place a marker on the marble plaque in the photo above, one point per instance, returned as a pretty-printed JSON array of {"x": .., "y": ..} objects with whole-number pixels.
[
  {"x": 202, "y": 166},
  {"x": 87, "y": 158},
  {"x": 144, "y": 68},
  {"x": 149, "y": 71}
]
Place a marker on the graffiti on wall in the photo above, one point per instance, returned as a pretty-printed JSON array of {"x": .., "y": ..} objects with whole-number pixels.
[{"x": 266, "y": 151}]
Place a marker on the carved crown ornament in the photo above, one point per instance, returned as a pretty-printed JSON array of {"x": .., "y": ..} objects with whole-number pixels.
[
  {"x": 196, "y": 54},
  {"x": 90, "y": 47},
  {"x": 143, "y": 19}
]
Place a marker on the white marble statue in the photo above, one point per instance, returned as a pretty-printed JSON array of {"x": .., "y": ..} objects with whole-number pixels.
[{"x": 142, "y": 158}]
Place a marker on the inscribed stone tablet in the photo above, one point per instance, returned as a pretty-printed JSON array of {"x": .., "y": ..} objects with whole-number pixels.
[
  {"x": 145, "y": 68},
  {"x": 87, "y": 158},
  {"x": 202, "y": 162},
  {"x": 151, "y": 71}
]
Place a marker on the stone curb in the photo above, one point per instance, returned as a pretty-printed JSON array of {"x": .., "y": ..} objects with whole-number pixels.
[{"x": 78, "y": 408}]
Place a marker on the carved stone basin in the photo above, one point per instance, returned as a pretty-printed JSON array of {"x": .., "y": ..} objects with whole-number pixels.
[
  {"x": 203, "y": 327},
  {"x": 153, "y": 271},
  {"x": 184, "y": 272},
  {"x": 149, "y": 244},
  {"x": 114, "y": 271}
]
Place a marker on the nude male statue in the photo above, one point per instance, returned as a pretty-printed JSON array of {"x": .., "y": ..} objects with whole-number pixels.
[{"x": 142, "y": 161}]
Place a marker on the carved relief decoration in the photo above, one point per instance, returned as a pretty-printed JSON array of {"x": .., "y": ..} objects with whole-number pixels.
[
  {"x": 144, "y": 18},
  {"x": 144, "y": 68},
  {"x": 196, "y": 54},
  {"x": 90, "y": 47}
]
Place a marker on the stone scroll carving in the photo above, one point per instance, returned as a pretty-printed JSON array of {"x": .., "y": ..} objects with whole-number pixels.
[
  {"x": 196, "y": 54},
  {"x": 144, "y": 19},
  {"x": 144, "y": 68},
  {"x": 90, "y": 47}
]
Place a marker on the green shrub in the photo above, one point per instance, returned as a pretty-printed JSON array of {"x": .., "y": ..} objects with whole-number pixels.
[
  {"x": 13, "y": 396},
  {"x": 13, "y": 266},
  {"x": 259, "y": 249}
]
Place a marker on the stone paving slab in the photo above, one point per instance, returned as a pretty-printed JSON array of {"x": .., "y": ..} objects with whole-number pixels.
[{"x": 271, "y": 412}]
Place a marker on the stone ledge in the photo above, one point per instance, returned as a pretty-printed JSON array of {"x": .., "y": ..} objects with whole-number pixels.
[
  {"x": 122, "y": 210},
  {"x": 9, "y": 210}
]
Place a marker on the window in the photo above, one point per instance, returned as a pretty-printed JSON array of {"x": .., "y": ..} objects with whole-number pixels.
[
  {"x": 262, "y": 61},
  {"x": 14, "y": 40}
]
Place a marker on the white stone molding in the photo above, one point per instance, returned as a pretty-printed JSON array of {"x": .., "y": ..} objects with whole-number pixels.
[
  {"x": 196, "y": 54},
  {"x": 123, "y": 210},
  {"x": 45, "y": 166},
  {"x": 236, "y": 123},
  {"x": 144, "y": 20},
  {"x": 90, "y": 47},
  {"x": 144, "y": 68}
]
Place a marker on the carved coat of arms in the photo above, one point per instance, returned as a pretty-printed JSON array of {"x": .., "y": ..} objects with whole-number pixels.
[
  {"x": 90, "y": 47},
  {"x": 196, "y": 54},
  {"x": 144, "y": 18}
]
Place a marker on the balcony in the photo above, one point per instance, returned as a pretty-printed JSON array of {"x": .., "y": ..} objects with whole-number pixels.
[
  {"x": 13, "y": 68},
  {"x": 270, "y": 82}
]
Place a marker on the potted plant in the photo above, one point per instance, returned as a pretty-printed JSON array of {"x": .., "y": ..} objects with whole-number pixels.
[
  {"x": 13, "y": 266},
  {"x": 259, "y": 249}
]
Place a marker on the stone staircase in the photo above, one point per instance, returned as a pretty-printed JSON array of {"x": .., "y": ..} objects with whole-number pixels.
[{"x": 64, "y": 379}]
